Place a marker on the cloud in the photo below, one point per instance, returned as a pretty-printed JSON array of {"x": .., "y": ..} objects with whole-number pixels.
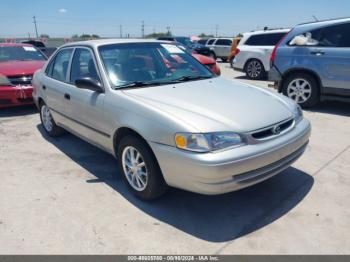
[{"x": 62, "y": 10}]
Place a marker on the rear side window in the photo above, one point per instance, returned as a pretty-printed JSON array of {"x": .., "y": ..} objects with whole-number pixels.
[
  {"x": 224, "y": 42},
  {"x": 265, "y": 39},
  {"x": 60, "y": 65},
  {"x": 333, "y": 36},
  {"x": 83, "y": 65}
]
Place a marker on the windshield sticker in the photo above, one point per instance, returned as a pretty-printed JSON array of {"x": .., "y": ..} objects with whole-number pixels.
[
  {"x": 29, "y": 48},
  {"x": 172, "y": 49}
]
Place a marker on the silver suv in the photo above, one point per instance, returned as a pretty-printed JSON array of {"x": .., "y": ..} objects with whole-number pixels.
[
  {"x": 220, "y": 48},
  {"x": 312, "y": 62}
]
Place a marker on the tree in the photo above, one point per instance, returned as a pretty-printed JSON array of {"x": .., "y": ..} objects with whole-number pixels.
[
  {"x": 44, "y": 36},
  {"x": 240, "y": 35},
  {"x": 157, "y": 35},
  {"x": 203, "y": 35}
]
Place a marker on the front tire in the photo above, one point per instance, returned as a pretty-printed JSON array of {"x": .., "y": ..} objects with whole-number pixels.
[
  {"x": 48, "y": 122},
  {"x": 140, "y": 169},
  {"x": 213, "y": 55},
  {"x": 231, "y": 62},
  {"x": 255, "y": 70},
  {"x": 302, "y": 88}
]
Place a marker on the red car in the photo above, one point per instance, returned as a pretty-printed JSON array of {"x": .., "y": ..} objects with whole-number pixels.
[
  {"x": 18, "y": 63},
  {"x": 208, "y": 62}
]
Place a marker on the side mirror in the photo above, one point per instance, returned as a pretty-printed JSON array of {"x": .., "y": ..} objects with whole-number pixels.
[{"x": 90, "y": 84}]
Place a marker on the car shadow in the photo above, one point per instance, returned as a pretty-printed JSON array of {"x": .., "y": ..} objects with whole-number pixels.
[
  {"x": 244, "y": 77},
  {"x": 211, "y": 218},
  {"x": 332, "y": 107},
  {"x": 18, "y": 111}
]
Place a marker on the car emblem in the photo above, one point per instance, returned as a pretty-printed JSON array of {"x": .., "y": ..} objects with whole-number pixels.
[{"x": 276, "y": 130}]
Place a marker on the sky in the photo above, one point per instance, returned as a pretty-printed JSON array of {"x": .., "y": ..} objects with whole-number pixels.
[{"x": 63, "y": 18}]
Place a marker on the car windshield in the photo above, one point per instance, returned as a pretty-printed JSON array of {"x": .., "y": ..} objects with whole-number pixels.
[
  {"x": 184, "y": 40},
  {"x": 20, "y": 53},
  {"x": 141, "y": 64}
]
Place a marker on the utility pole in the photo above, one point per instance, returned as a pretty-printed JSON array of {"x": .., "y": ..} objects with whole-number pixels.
[
  {"x": 121, "y": 31},
  {"x": 143, "y": 29},
  {"x": 168, "y": 30},
  {"x": 36, "y": 27},
  {"x": 216, "y": 30}
]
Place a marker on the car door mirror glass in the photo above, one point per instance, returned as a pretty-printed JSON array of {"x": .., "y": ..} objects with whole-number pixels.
[{"x": 90, "y": 84}]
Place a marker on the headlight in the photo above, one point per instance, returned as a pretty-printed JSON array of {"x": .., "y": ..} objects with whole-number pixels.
[
  {"x": 4, "y": 81},
  {"x": 207, "y": 142},
  {"x": 298, "y": 114}
]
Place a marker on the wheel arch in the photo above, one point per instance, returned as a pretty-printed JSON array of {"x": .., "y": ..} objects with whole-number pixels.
[
  {"x": 300, "y": 70},
  {"x": 251, "y": 59}
]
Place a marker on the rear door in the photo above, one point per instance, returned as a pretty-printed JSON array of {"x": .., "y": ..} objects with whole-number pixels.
[
  {"x": 55, "y": 83},
  {"x": 332, "y": 56}
]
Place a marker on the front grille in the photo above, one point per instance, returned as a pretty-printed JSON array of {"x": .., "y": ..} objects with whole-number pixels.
[
  {"x": 22, "y": 80},
  {"x": 273, "y": 131}
]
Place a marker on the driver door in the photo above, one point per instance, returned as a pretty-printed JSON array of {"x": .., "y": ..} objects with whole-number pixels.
[{"x": 85, "y": 108}]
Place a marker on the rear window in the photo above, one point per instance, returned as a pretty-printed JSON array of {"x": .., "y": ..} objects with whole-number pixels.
[
  {"x": 265, "y": 39},
  {"x": 332, "y": 36}
]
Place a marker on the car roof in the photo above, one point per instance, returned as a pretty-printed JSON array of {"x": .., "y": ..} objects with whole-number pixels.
[
  {"x": 262, "y": 32},
  {"x": 328, "y": 21},
  {"x": 102, "y": 42},
  {"x": 13, "y": 44}
]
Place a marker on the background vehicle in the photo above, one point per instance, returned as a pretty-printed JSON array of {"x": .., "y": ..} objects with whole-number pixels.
[
  {"x": 48, "y": 51},
  {"x": 186, "y": 41},
  {"x": 202, "y": 41},
  {"x": 204, "y": 60},
  {"x": 312, "y": 63},
  {"x": 166, "y": 118},
  {"x": 235, "y": 43},
  {"x": 254, "y": 51},
  {"x": 18, "y": 62},
  {"x": 220, "y": 48}
]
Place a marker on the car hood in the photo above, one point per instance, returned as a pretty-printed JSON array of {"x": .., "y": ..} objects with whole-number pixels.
[
  {"x": 217, "y": 105},
  {"x": 15, "y": 68}
]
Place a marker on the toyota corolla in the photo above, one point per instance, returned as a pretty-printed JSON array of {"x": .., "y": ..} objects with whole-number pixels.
[{"x": 168, "y": 119}]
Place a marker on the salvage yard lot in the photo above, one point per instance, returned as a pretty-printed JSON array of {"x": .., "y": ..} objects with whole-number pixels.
[{"x": 64, "y": 196}]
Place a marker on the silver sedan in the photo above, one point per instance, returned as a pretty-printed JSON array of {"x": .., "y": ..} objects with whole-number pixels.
[{"x": 166, "y": 118}]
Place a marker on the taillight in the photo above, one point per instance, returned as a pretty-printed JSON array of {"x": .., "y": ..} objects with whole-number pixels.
[
  {"x": 273, "y": 55},
  {"x": 237, "y": 51}
]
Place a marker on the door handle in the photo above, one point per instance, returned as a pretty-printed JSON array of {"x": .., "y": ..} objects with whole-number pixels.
[
  {"x": 67, "y": 96},
  {"x": 318, "y": 53}
]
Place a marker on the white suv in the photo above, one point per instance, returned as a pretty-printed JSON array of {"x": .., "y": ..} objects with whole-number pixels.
[{"x": 254, "y": 51}]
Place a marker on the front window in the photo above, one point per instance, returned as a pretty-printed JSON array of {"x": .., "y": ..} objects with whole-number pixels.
[
  {"x": 20, "y": 53},
  {"x": 150, "y": 63}
]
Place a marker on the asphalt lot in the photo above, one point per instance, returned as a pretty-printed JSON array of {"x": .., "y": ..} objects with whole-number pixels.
[{"x": 63, "y": 196}]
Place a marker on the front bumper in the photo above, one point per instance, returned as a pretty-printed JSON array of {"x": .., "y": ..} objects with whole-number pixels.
[
  {"x": 276, "y": 77},
  {"x": 15, "y": 96},
  {"x": 232, "y": 170}
]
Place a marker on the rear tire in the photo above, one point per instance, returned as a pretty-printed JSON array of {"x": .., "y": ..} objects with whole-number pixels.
[
  {"x": 303, "y": 88},
  {"x": 140, "y": 169},
  {"x": 255, "y": 70},
  {"x": 48, "y": 122}
]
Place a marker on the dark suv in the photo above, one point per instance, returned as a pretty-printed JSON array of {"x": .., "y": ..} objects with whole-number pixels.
[
  {"x": 312, "y": 62},
  {"x": 186, "y": 41}
]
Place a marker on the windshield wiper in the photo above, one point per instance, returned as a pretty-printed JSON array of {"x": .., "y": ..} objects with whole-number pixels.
[
  {"x": 140, "y": 84},
  {"x": 190, "y": 78}
]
